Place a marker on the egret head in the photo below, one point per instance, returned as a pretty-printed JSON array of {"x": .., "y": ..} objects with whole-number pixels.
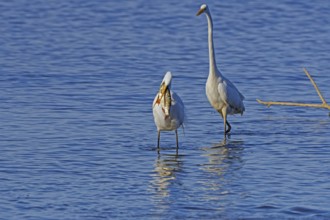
[
  {"x": 167, "y": 79},
  {"x": 202, "y": 9}
]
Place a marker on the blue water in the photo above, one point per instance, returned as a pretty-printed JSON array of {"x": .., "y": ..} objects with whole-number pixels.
[{"x": 77, "y": 137}]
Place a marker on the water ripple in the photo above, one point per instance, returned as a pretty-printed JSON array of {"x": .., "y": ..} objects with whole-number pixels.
[{"x": 77, "y": 135}]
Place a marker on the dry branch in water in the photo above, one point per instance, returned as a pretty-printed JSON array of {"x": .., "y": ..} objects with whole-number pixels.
[{"x": 323, "y": 105}]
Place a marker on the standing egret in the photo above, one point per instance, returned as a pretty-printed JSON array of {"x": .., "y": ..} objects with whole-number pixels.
[
  {"x": 168, "y": 109},
  {"x": 221, "y": 93}
]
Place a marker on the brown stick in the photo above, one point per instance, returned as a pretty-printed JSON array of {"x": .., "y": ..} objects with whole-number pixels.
[
  {"x": 315, "y": 86},
  {"x": 323, "y": 105},
  {"x": 295, "y": 104}
]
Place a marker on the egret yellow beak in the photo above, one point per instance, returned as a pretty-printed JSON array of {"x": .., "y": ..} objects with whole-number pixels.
[{"x": 200, "y": 11}]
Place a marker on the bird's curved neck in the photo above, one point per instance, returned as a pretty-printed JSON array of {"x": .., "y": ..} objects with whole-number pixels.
[{"x": 213, "y": 65}]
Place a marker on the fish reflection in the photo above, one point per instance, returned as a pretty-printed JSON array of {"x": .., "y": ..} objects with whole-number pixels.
[{"x": 166, "y": 169}]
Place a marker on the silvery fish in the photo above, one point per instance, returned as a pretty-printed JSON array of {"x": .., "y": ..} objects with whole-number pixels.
[{"x": 167, "y": 103}]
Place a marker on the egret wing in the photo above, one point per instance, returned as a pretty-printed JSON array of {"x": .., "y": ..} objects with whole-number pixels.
[
  {"x": 230, "y": 95},
  {"x": 177, "y": 107}
]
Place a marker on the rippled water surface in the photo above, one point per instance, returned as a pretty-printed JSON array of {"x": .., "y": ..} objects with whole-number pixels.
[{"x": 77, "y": 135}]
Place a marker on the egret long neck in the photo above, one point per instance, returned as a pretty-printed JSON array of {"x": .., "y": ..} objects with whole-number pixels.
[{"x": 213, "y": 65}]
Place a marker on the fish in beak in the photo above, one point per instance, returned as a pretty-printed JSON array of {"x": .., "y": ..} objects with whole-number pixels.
[
  {"x": 167, "y": 102},
  {"x": 161, "y": 93},
  {"x": 164, "y": 96}
]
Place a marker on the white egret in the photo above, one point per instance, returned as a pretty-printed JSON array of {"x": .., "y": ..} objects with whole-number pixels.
[
  {"x": 168, "y": 109},
  {"x": 221, "y": 93}
]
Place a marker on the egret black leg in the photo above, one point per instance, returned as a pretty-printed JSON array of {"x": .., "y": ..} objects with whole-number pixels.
[
  {"x": 224, "y": 115},
  {"x": 229, "y": 127},
  {"x": 177, "y": 139},
  {"x": 158, "y": 139}
]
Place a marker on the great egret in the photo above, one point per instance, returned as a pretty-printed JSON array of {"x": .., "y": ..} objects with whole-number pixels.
[
  {"x": 168, "y": 109},
  {"x": 221, "y": 93}
]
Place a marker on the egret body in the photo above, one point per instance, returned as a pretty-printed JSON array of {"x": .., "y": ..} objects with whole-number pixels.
[
  {"x": 221, "y": 93},
  {"x": 168, "y": 109}
]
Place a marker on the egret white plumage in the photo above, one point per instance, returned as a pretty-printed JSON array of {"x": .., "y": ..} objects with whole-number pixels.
[
  {"x": 168, "y": 109},
  {"x": 221, "y": 93}
]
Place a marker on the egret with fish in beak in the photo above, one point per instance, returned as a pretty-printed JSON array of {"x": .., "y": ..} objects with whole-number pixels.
[{"x": 168, "y": 109}]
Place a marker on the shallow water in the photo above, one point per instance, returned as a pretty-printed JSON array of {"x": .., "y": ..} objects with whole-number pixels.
[{"x": 77, "y": 135}]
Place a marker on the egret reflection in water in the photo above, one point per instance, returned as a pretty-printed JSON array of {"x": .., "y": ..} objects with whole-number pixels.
[
  {"x": 224, "y": 159},
  {"x": 166, "y": 168}
]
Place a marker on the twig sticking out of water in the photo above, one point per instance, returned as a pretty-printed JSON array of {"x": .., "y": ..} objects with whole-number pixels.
[{"x": 323, "y": 105}]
